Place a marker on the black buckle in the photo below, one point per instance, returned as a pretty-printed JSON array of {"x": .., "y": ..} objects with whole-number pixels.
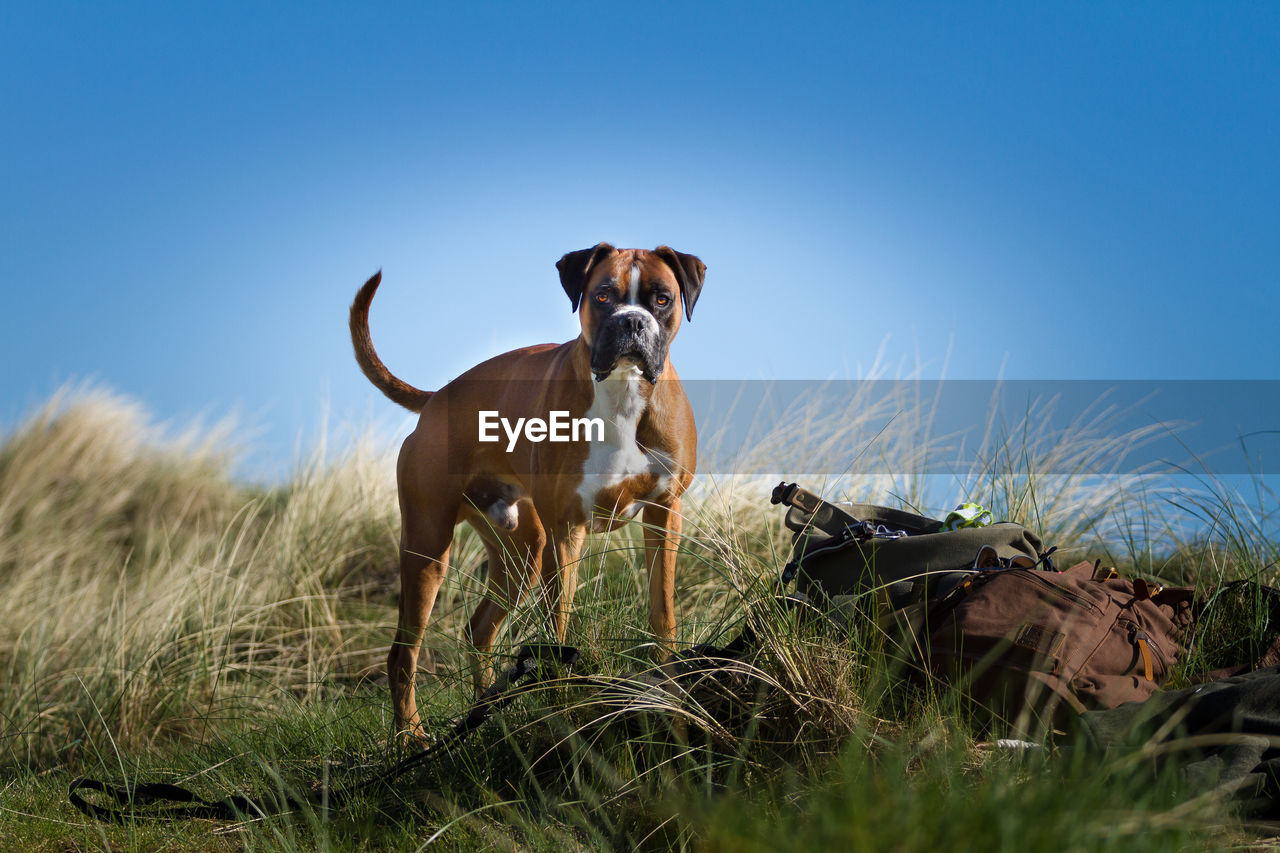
[{"x": 792, "y": 495}]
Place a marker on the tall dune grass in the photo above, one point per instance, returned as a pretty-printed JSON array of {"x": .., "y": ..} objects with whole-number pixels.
[
  {"x": 147, "y": 594},
  {"x": 149, "y": 603}
]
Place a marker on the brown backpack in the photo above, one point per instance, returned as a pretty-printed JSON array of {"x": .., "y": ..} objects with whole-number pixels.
[
  {"x": 1026, "y": 644},
  {"x": 1029, "y": 645}
]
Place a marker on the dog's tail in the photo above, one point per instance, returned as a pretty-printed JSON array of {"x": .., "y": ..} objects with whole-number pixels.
[{"x": 397, "y": 390}]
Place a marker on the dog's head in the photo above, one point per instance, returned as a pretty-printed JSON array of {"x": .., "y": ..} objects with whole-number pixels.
[{"x": 630, "y": 302}]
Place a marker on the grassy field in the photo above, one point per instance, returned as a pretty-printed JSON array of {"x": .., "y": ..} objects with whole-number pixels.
[{"x": 161, "y": 621}]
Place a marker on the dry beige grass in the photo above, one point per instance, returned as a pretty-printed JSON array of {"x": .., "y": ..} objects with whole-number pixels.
[
  {"x": 147, "y": 595},
  {"x": 145, "y": 591}
]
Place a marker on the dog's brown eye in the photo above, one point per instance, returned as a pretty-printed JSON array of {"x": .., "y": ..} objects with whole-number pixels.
[
  {"x": 661, "y": 300},
  {"x": 602, "y": 296}
]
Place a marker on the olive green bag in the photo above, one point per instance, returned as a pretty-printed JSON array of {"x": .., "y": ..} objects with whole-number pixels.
[{"x": 851, "y": 550}]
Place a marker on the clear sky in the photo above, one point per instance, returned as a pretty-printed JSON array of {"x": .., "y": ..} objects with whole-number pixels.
[{"x": 192, "y": 193}]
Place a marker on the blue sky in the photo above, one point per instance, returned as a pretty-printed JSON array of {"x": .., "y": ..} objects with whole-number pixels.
[{"x": 193, "y": 193}]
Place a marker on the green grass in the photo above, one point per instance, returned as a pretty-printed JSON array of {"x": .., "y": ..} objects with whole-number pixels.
[{"x": 160, "y": 621}]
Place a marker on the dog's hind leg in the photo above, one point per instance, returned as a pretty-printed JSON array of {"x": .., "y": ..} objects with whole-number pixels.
[
  {"x": 514, "y": 562},
  {"x": 424, "y": 559}
]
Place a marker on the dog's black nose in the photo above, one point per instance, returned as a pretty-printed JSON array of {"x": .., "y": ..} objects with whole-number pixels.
[{"x": 632, "y": 322}]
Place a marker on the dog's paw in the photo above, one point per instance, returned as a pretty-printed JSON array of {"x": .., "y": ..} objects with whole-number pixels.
[{"x": 415, "y": 737}]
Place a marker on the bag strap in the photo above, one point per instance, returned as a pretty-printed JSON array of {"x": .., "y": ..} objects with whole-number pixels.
[
  {"x": 890, "y": 517},
  {"x": 833, "y": 518},
  {"x": 527, "y": 671}
]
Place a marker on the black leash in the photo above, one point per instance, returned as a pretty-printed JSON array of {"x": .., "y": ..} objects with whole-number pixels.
[{"x": 182, "y": 803}]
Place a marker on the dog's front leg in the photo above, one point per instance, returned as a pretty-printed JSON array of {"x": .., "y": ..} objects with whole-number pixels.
[
  {"x": 560, "y": 576},
  {"x": 662, "y": 526}
]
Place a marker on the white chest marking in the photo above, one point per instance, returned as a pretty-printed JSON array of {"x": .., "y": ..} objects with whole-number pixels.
[{"x": 619, "y": 403}]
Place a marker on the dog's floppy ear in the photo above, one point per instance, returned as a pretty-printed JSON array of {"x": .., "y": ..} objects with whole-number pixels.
[
  {"x": 575, "y": 267},
  {"x": 689, "y": 272}
]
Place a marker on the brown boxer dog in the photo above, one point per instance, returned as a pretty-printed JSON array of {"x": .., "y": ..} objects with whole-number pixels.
[{"x": 532, "y": 498}]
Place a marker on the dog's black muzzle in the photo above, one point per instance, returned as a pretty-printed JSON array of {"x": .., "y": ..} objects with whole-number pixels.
[{"x": 630, "y": 336}]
